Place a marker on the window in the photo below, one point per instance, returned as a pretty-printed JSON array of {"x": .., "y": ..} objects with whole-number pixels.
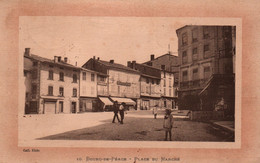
[
  {"x": 75, "y": 78},
  {"x": 35, "y": 63},
  {"x": 164, "y": 91},
  {"x": 34, "y": 91},
  {"x": 157, "y": 82},
  {"x": 184, "y": 57},
  {"x": 184, "y": 39},
  {"x": 164, "y": 103},
  {"x": 50, "y": 75},
  {"x": 170, "y": 92},
  {"x": 118, "y": 90},
  {"x": 195, "y": 54},
  {"x": 206, "y": 72},
  {"x": 195, "y": 74},
  {"x": 61, "y": 76},
  {"x": 206, "y": 48},
  {"x": 147, "y": 90},
  {"x": 84, "y": 76},
  {"x": 61, "y": 91},
  {"x": 34, "y": 74},
  {"x": 51, "y": 66},
  {"x": 101, "y": 78},
  {"x": 184, "y": 75},
  {"x": 194, "y": 35},
  {"x": 92, "y": 77},
  {"x": 74, "y": 93},
  {"x": 61, "y": 106},
  {"x": 170, "y": 81},
  {"x": 164, "y": 82},
  {"x": 50, "y": 90},
  {"x": 205, "y": 32},
  {"x": 147, "y": 80},
  {"x": 152, "y": 81}
]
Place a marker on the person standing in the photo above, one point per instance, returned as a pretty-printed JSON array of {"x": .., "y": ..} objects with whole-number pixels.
[
  {"x": 115, "y": 108},
  {"x": 121, "y": 112},
  {"x": 167, "y": 124},
  {"x": 155, "y": 110}
]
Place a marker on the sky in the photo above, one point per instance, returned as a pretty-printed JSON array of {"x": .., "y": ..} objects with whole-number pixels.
[{"x": 80, "y": 38}]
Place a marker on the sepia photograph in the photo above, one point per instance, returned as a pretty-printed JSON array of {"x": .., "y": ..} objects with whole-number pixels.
[
  {"x": 126, "y": 79},
  {"x": 129, "y": 81}
]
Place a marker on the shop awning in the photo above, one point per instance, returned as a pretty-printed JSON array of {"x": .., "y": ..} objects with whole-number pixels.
[
  {"x": 127, "y": 101},
  {"x": 105, "y": 100}
]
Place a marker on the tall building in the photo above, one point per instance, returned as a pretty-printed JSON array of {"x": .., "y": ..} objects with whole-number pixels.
[
  {"x": 157, "y": 87},
  {"x": 52, "y": 86},
  {"x": 92, "y": 85},
  {"x": 206, "y": 66},
  {"x": 122, "y": 82}
]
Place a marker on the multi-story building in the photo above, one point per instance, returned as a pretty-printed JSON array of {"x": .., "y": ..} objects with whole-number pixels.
[
  {"x": 93, "y": 88},
  {"x": 122, "y": 82},
  {"x": 157, "y": 86},
  {"x": 205, "y": 54},
  {"x": 52, "y": 86},
  {"x": 150, "y": 93}
]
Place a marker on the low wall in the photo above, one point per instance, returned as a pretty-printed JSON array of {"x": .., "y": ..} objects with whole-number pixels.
[{"x": 206, "y": 115}]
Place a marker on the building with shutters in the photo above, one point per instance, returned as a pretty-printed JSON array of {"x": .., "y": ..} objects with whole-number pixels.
[
  {"x": 121, "y": 84},
  {"x": 157, "y": 87},
  {"x": 52, "y": 86},
  {"x": 206, "y": 66},
  {"x": 92, "y": 85}
]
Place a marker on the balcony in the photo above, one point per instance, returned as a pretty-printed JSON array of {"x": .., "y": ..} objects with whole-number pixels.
[{"x": 194, "y": 84}]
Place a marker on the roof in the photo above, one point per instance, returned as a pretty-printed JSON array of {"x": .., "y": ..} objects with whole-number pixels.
[
  {"x": 160, "y": 57},
  {"x": 99, "y": 73},
  {"x": 46, "y": 60},
  {"x": 117, "y": 66}
]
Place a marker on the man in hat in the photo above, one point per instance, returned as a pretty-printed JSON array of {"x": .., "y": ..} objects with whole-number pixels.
[{"x": 115, "y": 108}]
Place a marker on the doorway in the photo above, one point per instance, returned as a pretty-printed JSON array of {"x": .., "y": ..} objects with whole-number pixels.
[{"x": 73, "y": 107}]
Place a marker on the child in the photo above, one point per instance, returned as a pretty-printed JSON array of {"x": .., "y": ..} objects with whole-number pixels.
[{"x": 167, "y": 124}]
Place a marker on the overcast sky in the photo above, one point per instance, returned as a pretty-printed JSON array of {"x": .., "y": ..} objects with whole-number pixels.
[{"x": 80, "y": 38}]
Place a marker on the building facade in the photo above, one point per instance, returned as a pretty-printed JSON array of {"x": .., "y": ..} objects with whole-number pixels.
[
  {"x": 52, "y": 86},
  {"x": 157, "y": 87},
  {"x": 150, "y": 89},
  {"x": 205, "y": 52},
  {"x": 122, "y": 81}
]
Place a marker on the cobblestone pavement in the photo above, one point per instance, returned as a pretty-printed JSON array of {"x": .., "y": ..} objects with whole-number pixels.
[{"x": 140, "y": 126}]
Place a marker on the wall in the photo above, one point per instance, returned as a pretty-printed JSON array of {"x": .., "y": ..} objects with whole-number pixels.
[
  {"x": 124, "y": 84},
  {"x": 67, "y": 84},
  {"x": 88, "y": 88},
  {"x": 169, "y": 82}
]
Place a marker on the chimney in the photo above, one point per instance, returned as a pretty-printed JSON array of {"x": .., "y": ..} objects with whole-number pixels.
[
  {"x": 98, "y": 58},
  {"x": 129, "y": 64},
  {"x": 65, "y": 59},
  {"x": 27, "y": 51},
  {"x": 59, "y": 58},
  {"x": 163, "y": 67},
  {"x": 94, "y": 57},
  {"x": 134, "y": 64},
  {"x": 55, "y": 58},
  {"x": 152, "y": 57},
  {"x": 111, "y": 61}
]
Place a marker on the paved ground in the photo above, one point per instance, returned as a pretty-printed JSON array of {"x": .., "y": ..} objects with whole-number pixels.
[{"x": 139, "y": 125}]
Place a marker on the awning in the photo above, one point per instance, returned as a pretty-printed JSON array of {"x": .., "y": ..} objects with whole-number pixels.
[
  {"x": 105, "y": 100},
  {"x": 127, "y": 101}
]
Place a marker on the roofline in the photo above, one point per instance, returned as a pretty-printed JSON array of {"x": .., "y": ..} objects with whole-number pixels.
[
  {"x": 52, "y": 62},
  {"x": 111, "y": 67}
]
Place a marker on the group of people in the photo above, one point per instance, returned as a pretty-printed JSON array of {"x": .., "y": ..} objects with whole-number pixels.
[
  {"x": 121, "y": 109},
  {"x": 167, "y": 122}
]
